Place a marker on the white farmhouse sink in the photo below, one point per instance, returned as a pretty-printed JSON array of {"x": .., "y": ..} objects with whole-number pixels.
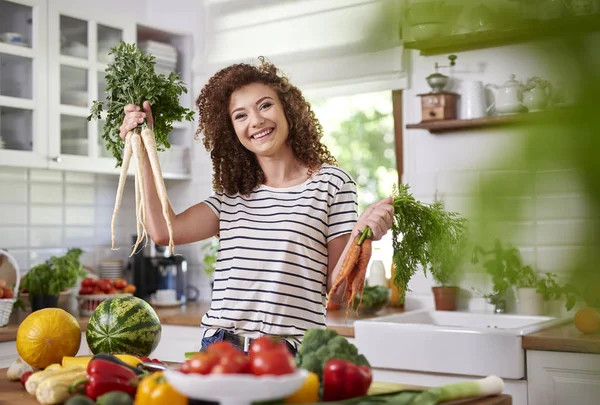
[{"x": 449, "y": 342}]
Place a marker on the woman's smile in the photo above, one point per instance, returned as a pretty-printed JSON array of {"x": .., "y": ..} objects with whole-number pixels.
[{"x": 263, "y": 135}]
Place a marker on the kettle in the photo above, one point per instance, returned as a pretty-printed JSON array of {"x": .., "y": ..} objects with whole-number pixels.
[
  {"x": 537, "y": 94},
  {"x": 508, "y": 97}
]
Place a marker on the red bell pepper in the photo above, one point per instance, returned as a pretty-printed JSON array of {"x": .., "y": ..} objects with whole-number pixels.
[
  {"x": 344, "y": 380},
  {"x": 104, "y": 376}
]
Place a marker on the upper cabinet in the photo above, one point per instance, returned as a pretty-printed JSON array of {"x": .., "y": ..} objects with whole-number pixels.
[
  {"x": 23, "y": 88},
  {"x": 79, "y": 43},
  {"x": 53, "y": 56}
]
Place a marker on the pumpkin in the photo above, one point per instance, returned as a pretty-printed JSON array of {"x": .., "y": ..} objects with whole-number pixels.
[{"x": 47, "y": 335}]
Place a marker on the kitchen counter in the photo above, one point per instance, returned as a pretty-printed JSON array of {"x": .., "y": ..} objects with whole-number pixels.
[
  {"x": 191, "y": 315},
  {"x": 14, "y": 393},
  {"x": 562, "y": 338}
]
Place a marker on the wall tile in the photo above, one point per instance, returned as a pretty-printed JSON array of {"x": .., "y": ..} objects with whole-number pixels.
[
  {"x": 563, "y": 232},
  {"x": 559, "y": 182},
  {"x": 514, "y": 183},
  {"x": 13, "y": 191},
  {"x": 45, "y": 237},
  {"x": 46, "y": 175},
  {"x": 457, "y": 183},
  {"x": 46, "y": 193},
  {"x": 516, "y": 233},
  {"x": 106, "y": 194},
  {"x": 46, "y": 215},
  {"x": 80, "y": 215},
  {"x": 13, "y": 214},
  {"x": 78, "y": 236},
  {"x": 13, "y": 237},
  {"x": 558, "y": 258},
  {"x": 80, "y": 194},
  {"x": 38, "y": 256},
  {"x": 562, "y": 207}
]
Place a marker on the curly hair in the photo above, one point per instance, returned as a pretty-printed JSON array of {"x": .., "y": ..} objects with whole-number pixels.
[{"x": 236, "y": 169}]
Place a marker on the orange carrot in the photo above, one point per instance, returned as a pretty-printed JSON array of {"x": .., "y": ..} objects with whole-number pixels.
[
  {"x": 360, "y": 273},
  {"x": 347, "y": 265}
]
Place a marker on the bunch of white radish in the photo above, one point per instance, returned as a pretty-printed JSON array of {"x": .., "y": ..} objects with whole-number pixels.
[{"x": 131, "y": 79}]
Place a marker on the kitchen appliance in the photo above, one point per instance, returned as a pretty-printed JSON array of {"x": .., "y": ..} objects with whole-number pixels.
[
  {"x": 155, "y": 268},
  {"x": 439, "y": 104}
]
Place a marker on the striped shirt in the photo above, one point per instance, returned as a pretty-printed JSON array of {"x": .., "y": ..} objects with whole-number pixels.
[{"x": 271, "y": 270}]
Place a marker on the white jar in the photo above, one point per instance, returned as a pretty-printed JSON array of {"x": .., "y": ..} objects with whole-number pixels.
[{"x": 377, "y": 274}]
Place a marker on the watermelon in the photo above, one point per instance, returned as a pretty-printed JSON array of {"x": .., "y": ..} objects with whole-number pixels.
[{"x": 123, "y": 325}]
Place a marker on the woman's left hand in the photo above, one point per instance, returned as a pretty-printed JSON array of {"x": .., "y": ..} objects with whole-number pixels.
[{"x": 378, "y": 216}]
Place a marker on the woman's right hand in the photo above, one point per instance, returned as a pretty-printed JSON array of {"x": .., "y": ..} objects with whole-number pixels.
[{"x": 134, "y": 117}]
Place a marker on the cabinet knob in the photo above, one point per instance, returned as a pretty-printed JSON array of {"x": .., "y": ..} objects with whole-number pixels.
[{"x": 57, "y": 159}]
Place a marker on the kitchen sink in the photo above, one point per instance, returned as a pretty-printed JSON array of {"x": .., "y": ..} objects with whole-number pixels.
[{"x": 449, "y": 342}]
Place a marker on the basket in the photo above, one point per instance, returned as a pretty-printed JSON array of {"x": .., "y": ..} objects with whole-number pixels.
[
  {"x": 89, "y": 303},
  {"x": 6, "y": 304}
]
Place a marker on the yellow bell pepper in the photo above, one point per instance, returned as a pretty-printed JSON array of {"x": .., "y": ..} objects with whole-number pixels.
[
  {"x": 155, "y": 390},
  {"x": 308, "y": 393}
]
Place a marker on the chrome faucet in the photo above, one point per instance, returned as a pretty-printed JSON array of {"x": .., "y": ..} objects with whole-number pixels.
[{"x": 498, "y": 301}]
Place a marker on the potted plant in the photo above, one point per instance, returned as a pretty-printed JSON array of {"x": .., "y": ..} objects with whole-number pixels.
[
  {"x": 555, "y": 296},
  {"x": 530, "y": 301},
  {"x": 422, "y": 235},
  {"x": 446, "y": 256},
  {"x": 46, "y": 281},
  {"x": 504, "y": 265}
]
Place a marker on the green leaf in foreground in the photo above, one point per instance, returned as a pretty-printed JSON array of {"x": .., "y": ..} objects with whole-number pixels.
[{"x": 131, "y": 79}]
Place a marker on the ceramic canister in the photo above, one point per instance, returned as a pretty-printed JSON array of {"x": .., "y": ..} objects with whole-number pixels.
[{"x": 472, "y": 99}]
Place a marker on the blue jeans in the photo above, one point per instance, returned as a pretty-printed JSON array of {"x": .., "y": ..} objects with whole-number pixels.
[{"x": 207, "y": 341}]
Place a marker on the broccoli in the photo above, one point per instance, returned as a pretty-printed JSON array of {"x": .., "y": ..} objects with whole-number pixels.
[{"x": 321, "y": 345}]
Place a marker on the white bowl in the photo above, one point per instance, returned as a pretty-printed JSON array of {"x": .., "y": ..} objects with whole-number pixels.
[{"x": 236, "y": 389}]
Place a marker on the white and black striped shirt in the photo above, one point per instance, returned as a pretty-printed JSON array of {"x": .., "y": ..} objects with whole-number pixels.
[{"x": 271, "y": 271}]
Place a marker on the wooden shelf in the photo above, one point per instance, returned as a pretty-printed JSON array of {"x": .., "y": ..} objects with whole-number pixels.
[
  {"x": 456, "y": 125},
  {"x": 528, "y": 31}
]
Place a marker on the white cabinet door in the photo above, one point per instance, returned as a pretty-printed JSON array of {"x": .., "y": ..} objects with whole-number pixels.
[
  {"x": 79, "y": 42},
  {"x": 176, "y": 341},
  {"x": 559, "y": 378},
  {"x": 23, "y": 83}
]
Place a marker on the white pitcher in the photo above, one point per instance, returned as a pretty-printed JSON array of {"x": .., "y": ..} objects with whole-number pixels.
[{"x": 472, "y": 100}]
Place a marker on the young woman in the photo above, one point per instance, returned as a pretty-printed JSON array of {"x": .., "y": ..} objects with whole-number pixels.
[{"x": 283, "y": 212}]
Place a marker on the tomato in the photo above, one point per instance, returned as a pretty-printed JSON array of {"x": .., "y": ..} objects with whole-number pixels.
[
  {"x": 203, "y": 363},
  {"x": 120, "y": 283},
  {"x": 88, "y": 282},
  {"x": 221, "y": 348},
  {"x": 266, "y": 343},
  {"x": 185, "y": 367},
  {"x": 2, "y": 283},
  {"x": 277, "y": 361},
  {"x": 232, "y": 363},
  {"x": 129, "y": 289},
  {"x": 86, "y": 290},
  {"x": 1, "y": 292},
  {"x": 8, "y": 293}
]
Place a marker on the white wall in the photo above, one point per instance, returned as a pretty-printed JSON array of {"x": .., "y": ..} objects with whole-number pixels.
[{"x": 456, "y": 163}]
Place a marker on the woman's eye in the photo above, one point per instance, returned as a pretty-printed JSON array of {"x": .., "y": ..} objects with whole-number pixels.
[
  {"x": 265, "y": 106},
  {"x": 237, "y": 117}
]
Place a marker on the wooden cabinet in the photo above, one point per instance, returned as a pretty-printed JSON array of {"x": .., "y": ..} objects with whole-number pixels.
[
  {"x": 50, "y": 77},
  {"x": 560, "y": 378}
]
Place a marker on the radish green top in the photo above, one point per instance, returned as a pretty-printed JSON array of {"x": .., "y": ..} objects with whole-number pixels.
[{"x": 131, "y": 79}]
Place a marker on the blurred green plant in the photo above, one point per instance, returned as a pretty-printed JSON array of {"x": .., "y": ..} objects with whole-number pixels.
[{"x": 210, "y": 249}]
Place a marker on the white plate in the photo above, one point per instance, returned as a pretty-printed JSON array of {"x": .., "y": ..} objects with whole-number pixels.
[{"x": 236, "y": 389}]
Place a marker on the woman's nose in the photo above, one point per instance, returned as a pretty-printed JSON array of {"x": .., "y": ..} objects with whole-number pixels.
[{"x": 257, "y": 120}]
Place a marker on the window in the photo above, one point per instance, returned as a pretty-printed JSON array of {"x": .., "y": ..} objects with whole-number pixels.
[{"x": 359, "y": 131}]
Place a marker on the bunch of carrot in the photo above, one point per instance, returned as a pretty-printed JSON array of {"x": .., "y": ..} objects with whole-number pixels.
[{"x": 354, "y": 268}]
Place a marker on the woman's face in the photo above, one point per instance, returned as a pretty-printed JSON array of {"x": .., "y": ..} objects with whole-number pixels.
[{"x": 258, "y": 119}]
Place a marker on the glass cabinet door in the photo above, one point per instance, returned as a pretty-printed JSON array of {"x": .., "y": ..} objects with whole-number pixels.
[
  {"x": 22, "y": 87},
  {"x": 82, "y": 41}
]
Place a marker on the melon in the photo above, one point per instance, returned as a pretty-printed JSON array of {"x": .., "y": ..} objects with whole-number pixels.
[
  {"x": 46, "y": 335},
  {"x": 123, "y": 325}
]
